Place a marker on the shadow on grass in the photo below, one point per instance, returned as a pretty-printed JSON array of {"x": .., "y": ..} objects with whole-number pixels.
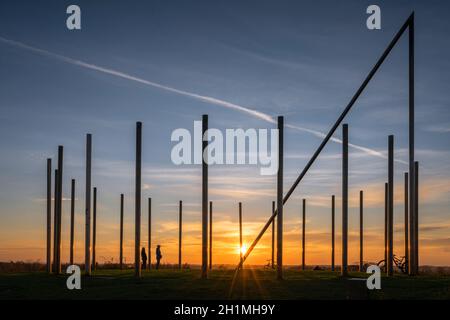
[{"x": 252, "y": 284}]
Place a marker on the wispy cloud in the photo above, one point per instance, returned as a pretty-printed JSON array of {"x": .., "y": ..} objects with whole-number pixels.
[
  {"x": 203, "y": 98},
  {"x": 444, "y": 128}
]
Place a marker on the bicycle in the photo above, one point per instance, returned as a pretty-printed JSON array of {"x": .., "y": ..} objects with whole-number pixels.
[{"x": 399, "y": 262}]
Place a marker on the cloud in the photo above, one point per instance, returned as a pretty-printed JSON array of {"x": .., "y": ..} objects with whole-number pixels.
[
  {"x": 438, "y": 128},
  {"x": 203, "y": 98}
]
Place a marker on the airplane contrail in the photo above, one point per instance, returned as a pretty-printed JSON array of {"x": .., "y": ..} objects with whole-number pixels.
[{"x": 207, "y": 99}]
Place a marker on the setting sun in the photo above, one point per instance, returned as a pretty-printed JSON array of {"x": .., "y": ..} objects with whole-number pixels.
[{"x": 243, "y": 249}]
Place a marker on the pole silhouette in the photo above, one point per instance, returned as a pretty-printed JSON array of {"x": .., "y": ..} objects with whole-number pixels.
[
  {"x": 137, "y": 231},
  {"x": 273, "y": 236},
  {"x": 406, "y": 222},
  {"x": 240, "y": 231},
  {"x": 72, "y": 219},
  {"x": 303, "y": 234},
  {"x": 204, "y": 200},
  {"x": 210, "y": 234},
  {"x": 94, "y": 230},
  {"x": 390, "y": 260},
  {"x": 279, "y": 200},
  {"x": 87, "y": 250},
  {"x": 412, "y": 206},
  {"x": 121, "y": 233},
  {"x": 149, "y": 233},
  {"x": 180, "y": 231},
  {"x": 386, "y": 216},
  {"x": 49, "y": 217},
  {"x": 416, "y": 217},
  {"x": 332, "y": 230},
  {"x": 59, "y": 208},
  {"x": 344, "y": 268},
  {"x": 55, "y": 220},
  {"x": 361, "y": 230}
]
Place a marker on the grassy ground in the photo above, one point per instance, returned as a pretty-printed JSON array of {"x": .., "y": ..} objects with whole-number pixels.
[{"x": 186, "y": 284}]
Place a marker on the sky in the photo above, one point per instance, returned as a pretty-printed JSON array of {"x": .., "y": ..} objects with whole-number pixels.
[{"x": 243, "y": 63}]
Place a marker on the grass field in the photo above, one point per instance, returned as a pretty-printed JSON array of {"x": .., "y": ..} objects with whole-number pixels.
[{"x": 186, "y": 284}]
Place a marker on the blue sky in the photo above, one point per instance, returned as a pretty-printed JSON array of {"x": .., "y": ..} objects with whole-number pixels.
[{"x": 300, "y": 59}]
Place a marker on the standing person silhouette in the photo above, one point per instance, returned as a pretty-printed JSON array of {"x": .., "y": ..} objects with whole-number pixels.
[
  {"x": 158, "y": 255},
  {"x": 144, "y": 259}
]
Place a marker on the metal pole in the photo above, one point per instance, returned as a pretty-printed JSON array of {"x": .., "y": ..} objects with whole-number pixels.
[
  {"x": 87, "y": 252},
  {"x": 332, "y": 230},
  {"x": 361, "y": 231},
  {"x": 137, "y": 231},
  {"x": 273, "y": 236},
  {"x": 49, "y": 216},
  {"x": 55, "y": 220},
  {"x": 72, "y": 219},
  {"x": 204, "y": 200},
  {"x": 303, "y": 234},
  {"x": 180, "y": 232},
  {"x": 390, "y": 260},
  {"x": 149, "y": 233},
  {"x": 412, "y": 206},
  {"x": 344, "y": 268},
  {"x": 280, "y": 199},
  {"x": 210, "y": 234},
  {"x": 386, "y": 216},
  {"x": 121, "y": 233},
  {"x": 240, "y": 230},
  {"x": 334, "y": 127},
  {"x": 59, "y": 206},
  {"x": 94, "y": 229},
  {"x": 406, "y": 223},
  {"x": 416, "y": 216}
]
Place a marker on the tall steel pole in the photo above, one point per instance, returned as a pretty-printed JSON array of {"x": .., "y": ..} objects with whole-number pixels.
[
  {"x": 72, "y": 219},
  {"x": 49, "y": 217},
  {"x": 87, "y": 252},
  {"x": 137, "y": 231},
  {"x": 386, "y": 219},
  {"x": 416, "y": 217},
  {"x": 361, "y": 230},
  {"x": 344, "y": 268},
  {"x": 180, "y": 231},
  {"x": 149, "y": 233},
  {"x": 59, "y": 207},
  {"x": 121, "y": 233},
  {"x": 280, "y": 199},
  {"x": 55, "y": 220},
  {"x": 332, "y": 230},
  {"x": 412, "y": 206},
  {"x": 240, "y": 230},
  {"x": 303, "y": 234},
  {"x": 390, "y": 261},
  {"x": 210, "y": 234},
  {"x": 273, "y": 236},
  {"x": 406, "y": 193},
  {"x": 94, "y": 230},
  {"x": 204, "y": 199}
]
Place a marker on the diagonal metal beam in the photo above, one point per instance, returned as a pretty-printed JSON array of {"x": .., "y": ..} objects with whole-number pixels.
[{"x": 408, "y": 24}]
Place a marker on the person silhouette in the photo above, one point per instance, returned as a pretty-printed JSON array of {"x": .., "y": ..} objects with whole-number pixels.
[
  {"x": 158, "y": 255},
  {"x": 144, "y": 259}
]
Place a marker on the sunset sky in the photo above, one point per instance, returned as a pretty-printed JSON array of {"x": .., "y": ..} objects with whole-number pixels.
[{"x": 166, "y": 63}]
